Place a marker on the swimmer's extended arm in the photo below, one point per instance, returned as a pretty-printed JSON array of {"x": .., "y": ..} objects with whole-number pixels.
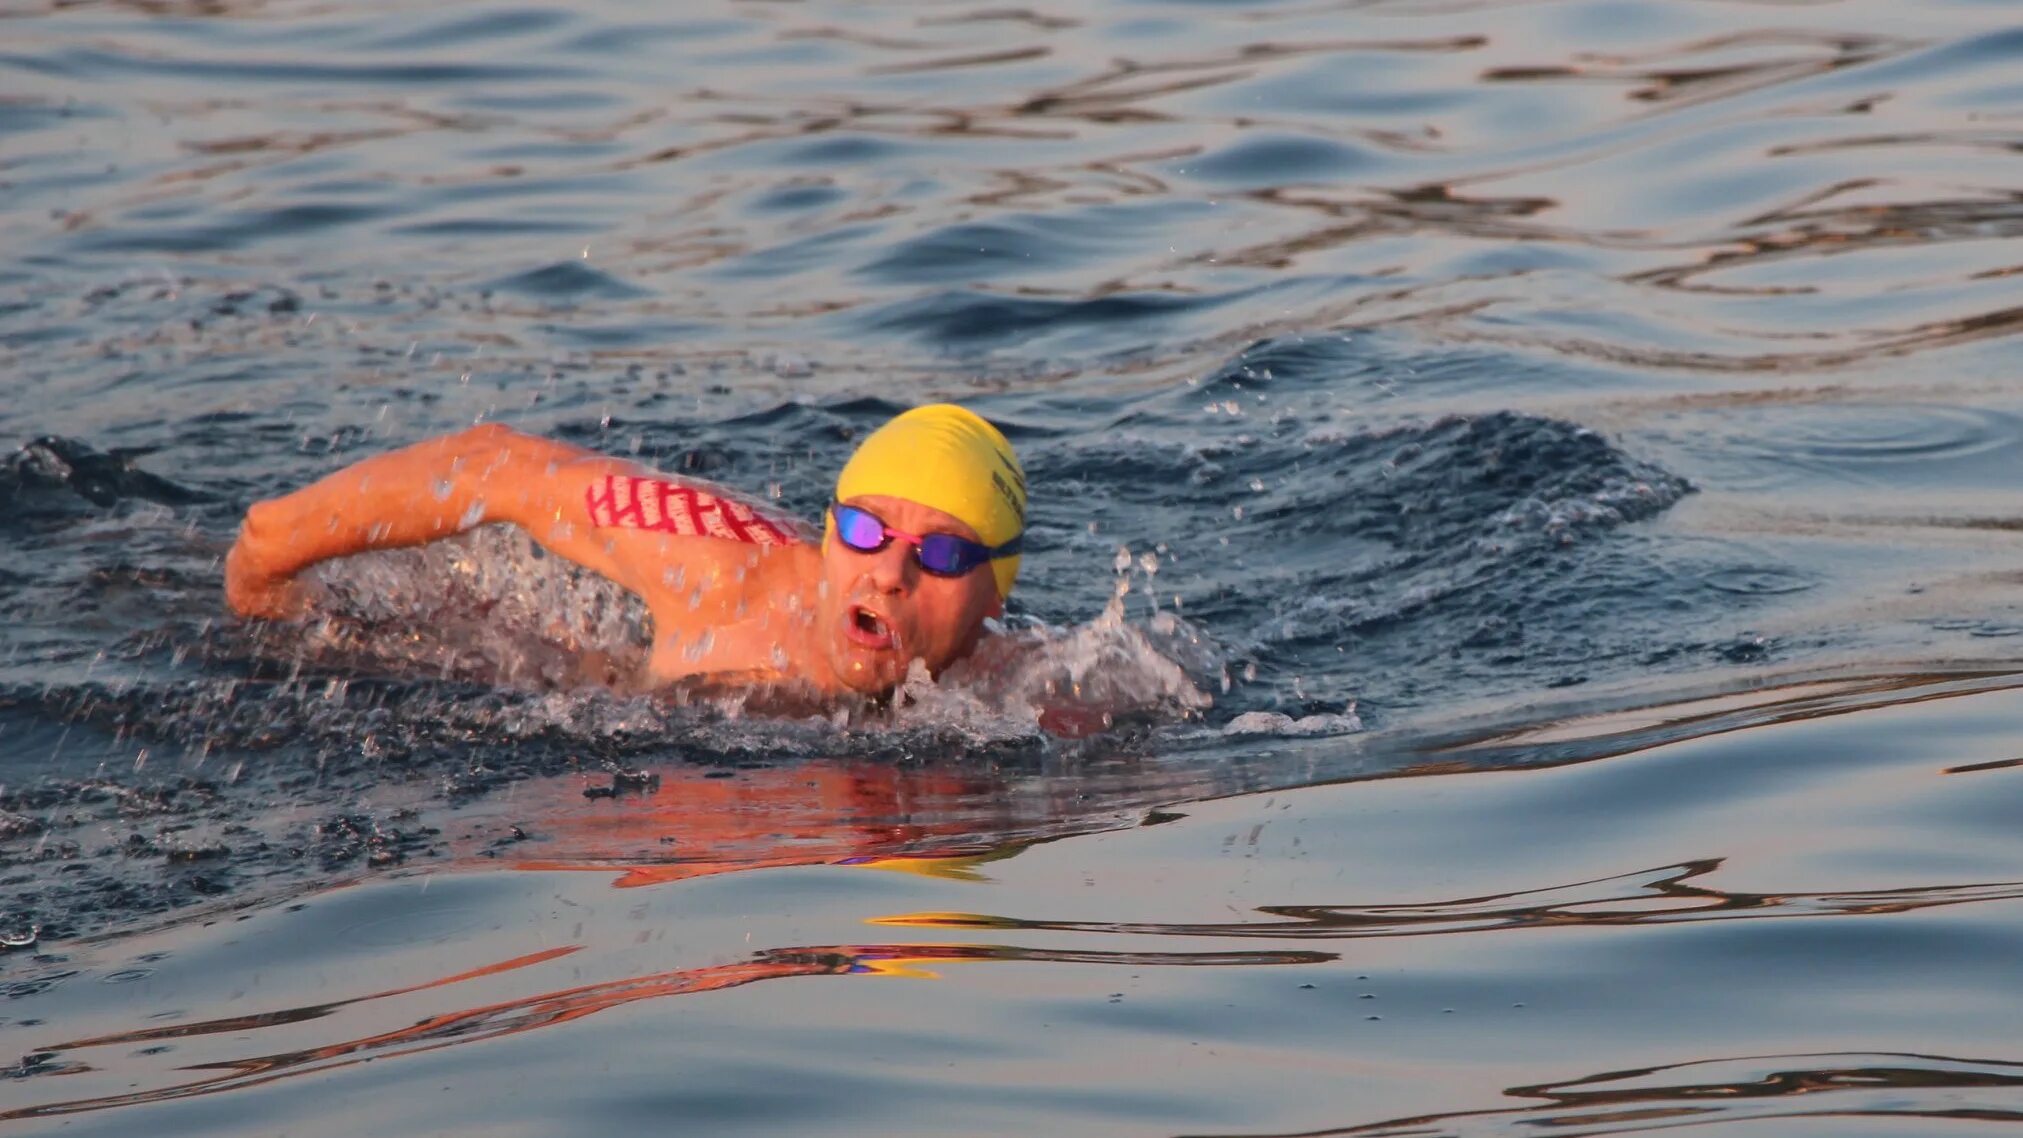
[{"x": 418, "y": 494}]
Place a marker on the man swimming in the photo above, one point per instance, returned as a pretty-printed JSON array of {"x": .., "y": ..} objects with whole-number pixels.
[{"x": 919, "y": 547}]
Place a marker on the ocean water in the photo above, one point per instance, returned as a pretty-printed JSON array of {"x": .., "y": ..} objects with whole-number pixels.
[{"x": 1524, "y": 536}]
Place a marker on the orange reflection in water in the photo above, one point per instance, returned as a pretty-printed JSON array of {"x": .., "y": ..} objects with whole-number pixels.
[{"x": 688, "y": 822}]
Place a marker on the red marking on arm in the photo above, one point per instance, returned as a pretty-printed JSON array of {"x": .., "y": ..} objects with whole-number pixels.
[
  {"x": 645, "y": 503},
  {"x": 598, "y": 497}
]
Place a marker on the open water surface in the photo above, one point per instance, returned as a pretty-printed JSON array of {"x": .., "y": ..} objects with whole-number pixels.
[{"x": 1524, "y": 522}]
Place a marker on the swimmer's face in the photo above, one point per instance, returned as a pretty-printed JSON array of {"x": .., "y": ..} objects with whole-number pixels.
[{"x": 881, "y": 611}]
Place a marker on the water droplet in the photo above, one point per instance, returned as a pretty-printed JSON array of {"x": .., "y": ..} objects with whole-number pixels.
[{"x": 701, "y": 647}]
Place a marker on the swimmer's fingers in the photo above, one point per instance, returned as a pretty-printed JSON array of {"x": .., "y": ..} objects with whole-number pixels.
[
  {"x": 258, "y": 596},
  {"x": 252, "y": 588}
]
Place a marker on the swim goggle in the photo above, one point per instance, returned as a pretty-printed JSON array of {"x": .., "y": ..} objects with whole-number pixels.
[{"x": 942, "y": 554}]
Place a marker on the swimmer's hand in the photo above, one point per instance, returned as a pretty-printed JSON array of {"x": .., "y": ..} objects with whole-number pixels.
[{"x": 252, "y": 588}]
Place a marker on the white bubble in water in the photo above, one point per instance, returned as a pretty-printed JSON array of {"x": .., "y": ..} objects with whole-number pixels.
[{"x": 1307, "y": 726}]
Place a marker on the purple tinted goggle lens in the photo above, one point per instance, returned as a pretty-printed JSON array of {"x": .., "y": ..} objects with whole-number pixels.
[{"x": 942, "y": 554}]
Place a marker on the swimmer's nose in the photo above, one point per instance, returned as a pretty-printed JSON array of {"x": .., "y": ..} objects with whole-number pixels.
[{"x": 893, "y": 568}]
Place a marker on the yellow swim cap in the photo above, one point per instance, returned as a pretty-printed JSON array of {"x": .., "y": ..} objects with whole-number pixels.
[{"x": 948, "y": 458}]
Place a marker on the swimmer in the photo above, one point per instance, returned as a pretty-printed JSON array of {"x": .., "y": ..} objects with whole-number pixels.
[{"x": 918, "y": 548}]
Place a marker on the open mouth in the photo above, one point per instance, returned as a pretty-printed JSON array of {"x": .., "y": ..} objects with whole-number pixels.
[{"x": 868, "y": 628}]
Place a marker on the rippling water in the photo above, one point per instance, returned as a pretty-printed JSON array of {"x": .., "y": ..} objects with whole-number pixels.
[{"x": 1537, "y": 471}]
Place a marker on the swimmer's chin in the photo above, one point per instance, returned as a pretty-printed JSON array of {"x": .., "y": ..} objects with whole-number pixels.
[
  {"x": 767, "y": 694},
  {"x": 874, "y": 677}
]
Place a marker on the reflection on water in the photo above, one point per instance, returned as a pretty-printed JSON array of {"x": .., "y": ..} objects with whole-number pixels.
[
  {"x": 655, "y": 841},
  {"x": 1655, "y": 896},
  {"x": 1746, "y": 1089},
  {"x": 549, "y": 1009}
]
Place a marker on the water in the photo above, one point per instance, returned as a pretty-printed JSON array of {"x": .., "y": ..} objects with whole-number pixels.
[{"x": 1534, "y": 471}]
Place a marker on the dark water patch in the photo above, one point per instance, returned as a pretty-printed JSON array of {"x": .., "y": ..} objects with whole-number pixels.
[
  {"x": 972, "y": 252},
  {"x": 1359, "y": 371},
  {"x": 791, "y": 257},
  {"x": 495, "y": 227},
  {"x": 626, "y": 38},
  {"x": 570, "y": 280},
  {"x": 27, "y": 114},
  {"x": 47, "y": 334},
  {"x": 844, "y": 150},
  {"x": 797, "y": 196},
  {"x": 1276, "y": 162},
  {"x": 294, "y": 222},
  {"x": 102, "y": 64},
  {"x": 1020, "y": 244},
  {"x": 969, "y": 320},
  {"x": 494, "y": 23},
  {"x": 1952, "y": 61},
  {"x": 1460, "y": 535}
]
